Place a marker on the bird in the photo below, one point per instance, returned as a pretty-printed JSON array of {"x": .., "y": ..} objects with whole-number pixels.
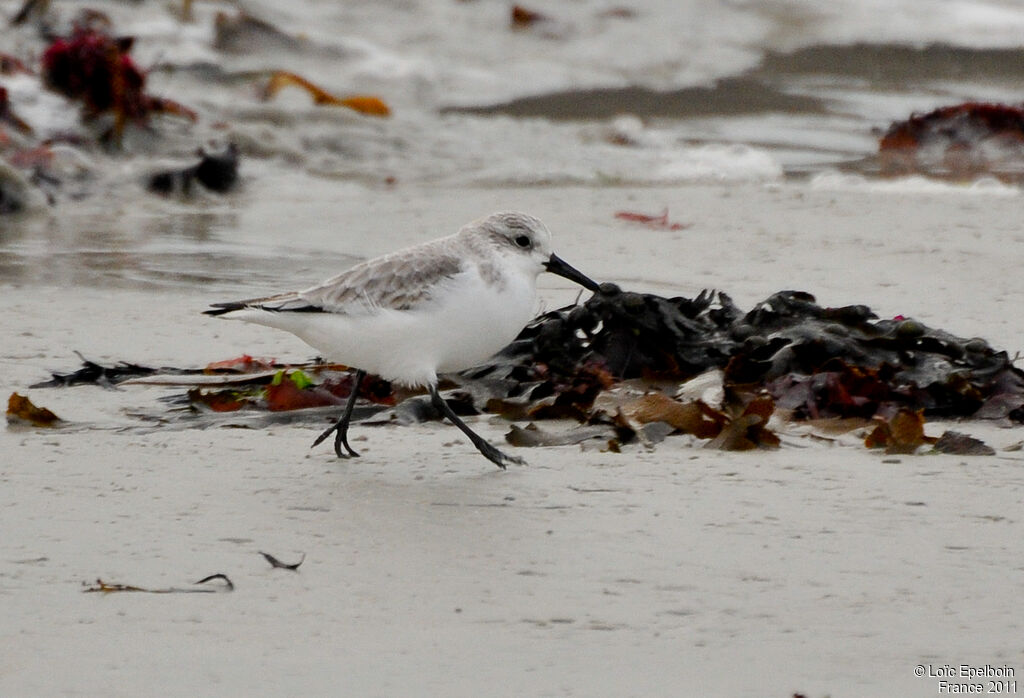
[{"x": 439, "y": 306}]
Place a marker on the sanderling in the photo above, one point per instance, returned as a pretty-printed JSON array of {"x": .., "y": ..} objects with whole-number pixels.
[{"x": 440, "y": 306}]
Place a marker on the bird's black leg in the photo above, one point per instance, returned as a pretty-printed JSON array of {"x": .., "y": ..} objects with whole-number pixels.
[
  {"x": 489, "y": 451},
  {"x": 341, "y": 426}
]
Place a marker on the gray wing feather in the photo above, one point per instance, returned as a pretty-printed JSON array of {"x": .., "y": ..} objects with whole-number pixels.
[{"x": 398, "y": 281}]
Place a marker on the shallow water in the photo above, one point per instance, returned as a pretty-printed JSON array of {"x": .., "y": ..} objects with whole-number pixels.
[
  {"x": 802, "y": 85},
  {"x": 656, "y": 93}
]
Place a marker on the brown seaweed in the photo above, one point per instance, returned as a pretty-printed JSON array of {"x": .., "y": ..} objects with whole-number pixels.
[{"x": 370, "y": 105}]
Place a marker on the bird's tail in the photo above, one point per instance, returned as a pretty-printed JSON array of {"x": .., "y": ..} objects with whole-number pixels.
[{"x": 224, "y": 308}]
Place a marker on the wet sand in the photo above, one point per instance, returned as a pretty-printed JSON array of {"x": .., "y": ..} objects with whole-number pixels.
[{"x": 823, "y": 569}]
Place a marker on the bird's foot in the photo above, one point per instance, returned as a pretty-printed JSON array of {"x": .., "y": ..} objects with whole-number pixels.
[
  {"x": 499, "y": 458},
  {"x": 340, "y": 439}
]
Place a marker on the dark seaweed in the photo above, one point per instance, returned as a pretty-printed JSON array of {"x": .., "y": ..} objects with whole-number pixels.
[
  {"x": 815, "y": 360},
  {"x": 216, "y": 171},
  {"x": 92, "y": 373}
]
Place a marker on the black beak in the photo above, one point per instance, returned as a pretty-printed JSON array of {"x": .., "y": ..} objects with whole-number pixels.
[{"x": 557, "y": 265}]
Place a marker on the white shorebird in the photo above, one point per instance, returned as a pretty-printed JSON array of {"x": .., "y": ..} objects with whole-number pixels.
[{"x": 440, "y": 306}]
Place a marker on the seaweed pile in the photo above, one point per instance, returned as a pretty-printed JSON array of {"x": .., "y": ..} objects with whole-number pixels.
[
  {"x": 960, "y": 141},
  {"x": 635, "y": 367},
  {"x": 817, "y": 361}
]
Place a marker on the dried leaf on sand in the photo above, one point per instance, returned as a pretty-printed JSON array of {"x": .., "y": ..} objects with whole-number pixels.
[
  {"x": 21, "y": 410},
  {"x": 693, "y": 417},
  {"x": 902, "y": 433},
  {"x": 749, "y": 430}
]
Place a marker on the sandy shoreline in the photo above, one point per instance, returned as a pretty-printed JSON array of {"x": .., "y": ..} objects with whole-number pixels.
[
  {"x": 681, "y": 571},
  {"x": 580, "y": 575}
]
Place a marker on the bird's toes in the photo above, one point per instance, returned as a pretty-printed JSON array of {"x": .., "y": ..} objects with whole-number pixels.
[{"x": 512, "y": 460}]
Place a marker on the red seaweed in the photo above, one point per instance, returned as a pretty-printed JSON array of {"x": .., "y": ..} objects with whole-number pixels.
[
  {"x": 961, "y": 139},
  {"x": 97, "y": 70}
]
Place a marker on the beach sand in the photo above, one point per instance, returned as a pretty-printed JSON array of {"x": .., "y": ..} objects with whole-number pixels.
[{"x": 825, "y": 569}]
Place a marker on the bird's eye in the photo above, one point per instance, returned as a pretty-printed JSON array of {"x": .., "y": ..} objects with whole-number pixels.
[{"x": 523, "y": 241}]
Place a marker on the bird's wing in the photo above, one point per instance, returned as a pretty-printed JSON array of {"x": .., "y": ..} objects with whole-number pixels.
[{"x": 400, "y": 281}]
